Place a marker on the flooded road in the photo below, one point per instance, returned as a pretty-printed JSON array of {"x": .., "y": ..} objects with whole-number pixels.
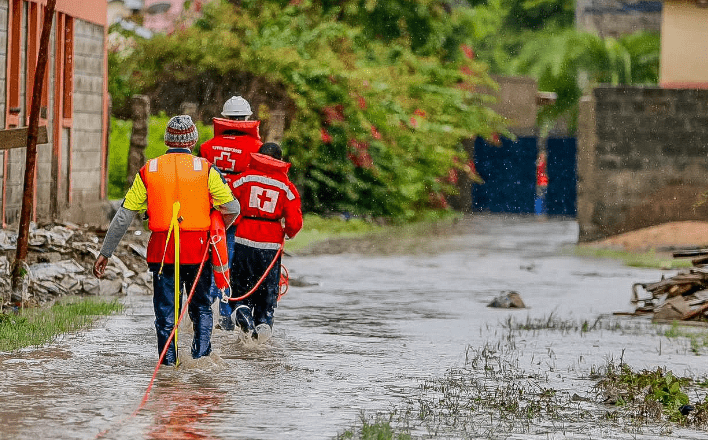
[{"x": 361, "y": 337}]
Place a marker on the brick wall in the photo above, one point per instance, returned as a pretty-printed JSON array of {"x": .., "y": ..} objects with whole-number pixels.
[{"x": 642, "y": 158}]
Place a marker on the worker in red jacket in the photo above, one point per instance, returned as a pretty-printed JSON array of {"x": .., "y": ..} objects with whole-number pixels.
[
  {"x": 270, "y": 213},
  {"x": 235, "y": 138}
]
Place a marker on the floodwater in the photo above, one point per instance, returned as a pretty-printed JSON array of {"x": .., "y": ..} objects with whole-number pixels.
[{"x": 359, "y": 334}]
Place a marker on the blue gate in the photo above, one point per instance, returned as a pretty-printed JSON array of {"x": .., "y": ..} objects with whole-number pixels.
[
  {"x": 561, "y": 198},
  {"x": 509, "y": 173}
]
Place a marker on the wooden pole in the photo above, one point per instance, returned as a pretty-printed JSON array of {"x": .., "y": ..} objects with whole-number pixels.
[{"x": 31, "y": 157}]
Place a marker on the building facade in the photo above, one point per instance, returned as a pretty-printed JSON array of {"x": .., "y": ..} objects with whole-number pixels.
[
  {"x": 70, "y": 182},
  {"x": 684, "y": 45}
]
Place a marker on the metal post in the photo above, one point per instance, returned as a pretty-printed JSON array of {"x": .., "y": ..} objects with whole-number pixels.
[{"x": 31, "y": 157}]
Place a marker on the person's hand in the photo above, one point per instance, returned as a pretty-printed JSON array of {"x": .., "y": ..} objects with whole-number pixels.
[{"x": 99, "y": 267}]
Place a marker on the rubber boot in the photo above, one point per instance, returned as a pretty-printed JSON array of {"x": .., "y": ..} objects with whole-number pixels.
[
  {"x": 202, "y": 323},
  {"x": 263, "y": 333},
  {"x": 243, "y": 318}
]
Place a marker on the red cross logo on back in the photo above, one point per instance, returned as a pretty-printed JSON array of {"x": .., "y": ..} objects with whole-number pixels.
[
  {"x": 224, "y": 162},
  {"x": 263, "y": 199}
]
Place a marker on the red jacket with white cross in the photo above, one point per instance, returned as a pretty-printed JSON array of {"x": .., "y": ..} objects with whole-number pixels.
[
  {"x": 231, "y": 147},
  {"x": 270, "y": 203}
]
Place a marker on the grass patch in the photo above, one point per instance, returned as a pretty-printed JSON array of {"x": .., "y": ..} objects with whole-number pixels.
[
  {"x": 697, "y": 337},
  {"x": 373, "y": 429},
  {"x": 643, "y": 259},
  {"x": 554, "y": 323},
  {"x": 652, "y": 394},
  {"x": 37, "y": 326},
  {"x": 491, "y": 396},
  {"x": 317, "y": 229}
]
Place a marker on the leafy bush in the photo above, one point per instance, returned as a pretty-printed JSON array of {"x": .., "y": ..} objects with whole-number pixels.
[{"x": 375, "y": 122}]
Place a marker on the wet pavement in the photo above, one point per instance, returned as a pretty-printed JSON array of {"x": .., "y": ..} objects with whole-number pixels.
[{"x": 361, "y": 338}]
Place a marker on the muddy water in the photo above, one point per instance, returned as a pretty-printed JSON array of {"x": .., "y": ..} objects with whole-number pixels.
[{"x": 361, "y": 337}]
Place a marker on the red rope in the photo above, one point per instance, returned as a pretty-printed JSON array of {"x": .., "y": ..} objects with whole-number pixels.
[
  {"x": 260, "y": 281},
  {"x": 284, "y": 282}
]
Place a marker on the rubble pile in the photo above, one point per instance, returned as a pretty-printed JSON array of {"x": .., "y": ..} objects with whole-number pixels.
[
  {"x": 683, "y": 296},
  {"x": 60, "y": 261}
]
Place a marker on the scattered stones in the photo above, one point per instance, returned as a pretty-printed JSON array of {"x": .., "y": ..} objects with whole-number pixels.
[
  {"x": 60, "y": 262},
  {"x": 508, "y": 300}
]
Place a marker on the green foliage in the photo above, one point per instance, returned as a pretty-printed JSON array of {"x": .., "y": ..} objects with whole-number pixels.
[
  {"x": 118, "y": 146},
  {"x": 657, "y": 385},
  {"x": 538, "y": 38},
  {"x": 633, "y": 259},
  {"x": 376, "y": 429},
  {"x": 379, "y": 110}
]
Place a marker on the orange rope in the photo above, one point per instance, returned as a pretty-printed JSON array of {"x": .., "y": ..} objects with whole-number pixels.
[{"x": 260, "y": 281}]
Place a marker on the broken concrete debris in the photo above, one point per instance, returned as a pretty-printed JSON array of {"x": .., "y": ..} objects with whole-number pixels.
[
  {"x": 682, "y": 297},
  {"x": 60, "y": 262}
]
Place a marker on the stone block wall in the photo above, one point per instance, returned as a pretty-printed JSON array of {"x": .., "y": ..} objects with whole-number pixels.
[
  {"x": 614, "y": 18},
  {"x": 642, "y": 158}
]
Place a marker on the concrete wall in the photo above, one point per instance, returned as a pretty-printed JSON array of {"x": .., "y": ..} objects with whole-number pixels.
[
  {"x": 642, "y": 158},
  {"x": 684, "y": 45},
  {"x": 613, "y": 18},
  {"x": 516, "y": 101}
]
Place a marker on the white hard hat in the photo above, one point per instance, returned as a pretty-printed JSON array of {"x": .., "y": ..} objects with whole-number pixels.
[{"x": 236, "y": 106}]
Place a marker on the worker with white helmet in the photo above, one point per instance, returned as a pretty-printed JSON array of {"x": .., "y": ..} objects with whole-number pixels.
[
  {"x": 235, "y": 138},
  {"x": 236, "y": 109}
]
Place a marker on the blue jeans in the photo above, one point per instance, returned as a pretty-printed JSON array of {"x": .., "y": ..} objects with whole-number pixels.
[
  {"x": 199, "y": 307},
  {"x": 225, "y": 309}
]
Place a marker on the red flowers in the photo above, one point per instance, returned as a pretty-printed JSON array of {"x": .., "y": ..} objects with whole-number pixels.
[
  {"x": 467, "y": 50},
  {"x": 360, "y": 156},
  {"x": 324, "y": 135},
  {"x": 375, "y": 133},
  {"x": 333, "y": 113}
]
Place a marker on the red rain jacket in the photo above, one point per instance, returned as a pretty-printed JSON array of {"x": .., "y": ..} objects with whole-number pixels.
[
  {"x": 270, "y": 203},
  {"x": 231, "y": 147}
]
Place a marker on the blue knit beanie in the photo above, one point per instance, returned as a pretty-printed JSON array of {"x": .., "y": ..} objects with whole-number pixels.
[{"x": 181, "y": 132}]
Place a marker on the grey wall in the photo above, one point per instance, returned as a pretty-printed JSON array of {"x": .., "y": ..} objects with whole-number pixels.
[
  {"x": 613, "y": 18},
  {"x": 642, "y": 158}
]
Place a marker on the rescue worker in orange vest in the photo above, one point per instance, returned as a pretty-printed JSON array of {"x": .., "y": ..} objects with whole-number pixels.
[
  {"x": 176, "y": 176},
  {"x": 270, "y": 213},
  {"x": 235, "y": 138}
]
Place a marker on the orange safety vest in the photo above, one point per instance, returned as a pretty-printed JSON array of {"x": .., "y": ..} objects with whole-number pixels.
[
  {"x": 220, "y": 252},
  {"x": 177, "y": 177}
]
